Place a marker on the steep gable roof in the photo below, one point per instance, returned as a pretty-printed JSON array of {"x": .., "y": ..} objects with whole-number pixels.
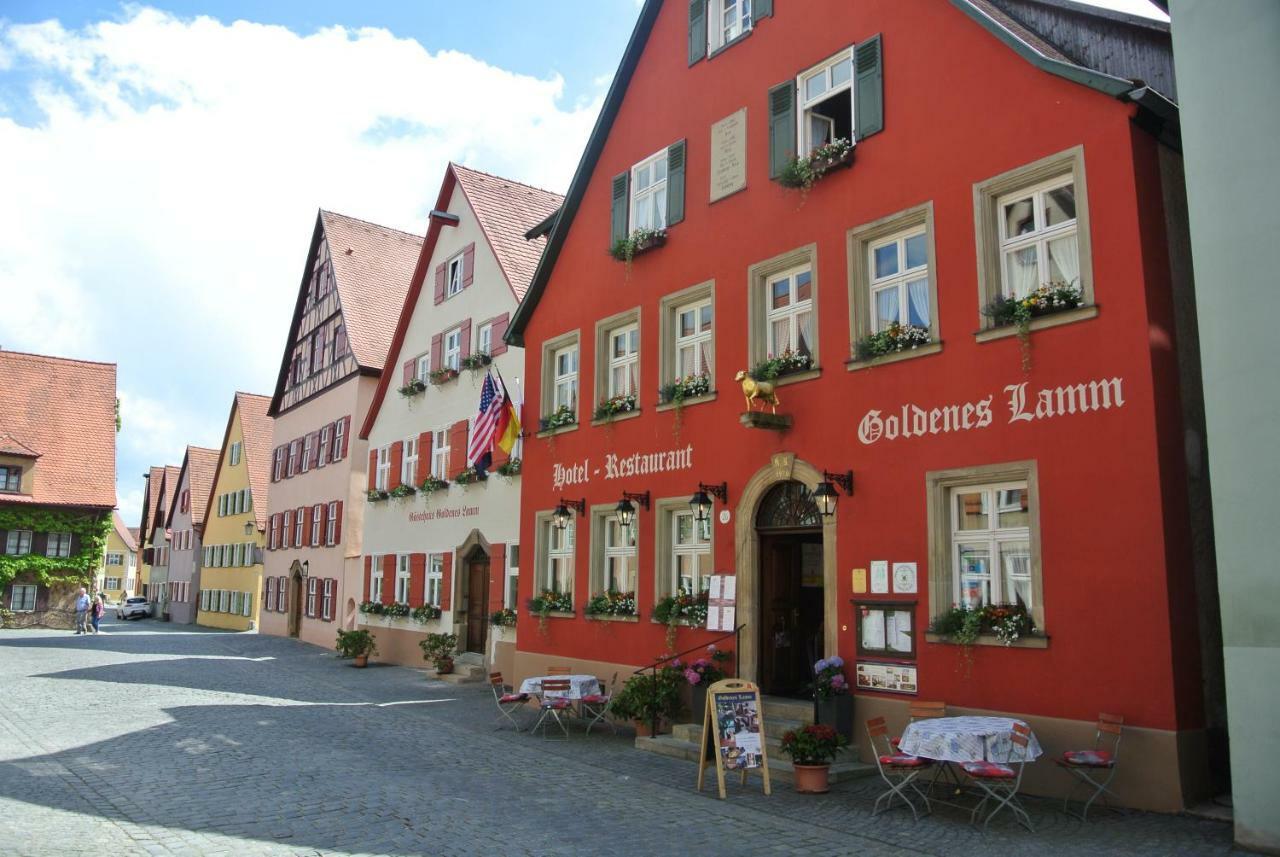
[
  {"x": 63, "y": 412},
  {"x": 1028, "y": 43},
  {"x": 506, "y": 210},
  {"x": 124, "y": 533},
  {"x": 198, "y": 465},
  {"x": 255, "y": 428},
  {"x": 168, "y": 491},
  {"x": 150, "y": 502}
]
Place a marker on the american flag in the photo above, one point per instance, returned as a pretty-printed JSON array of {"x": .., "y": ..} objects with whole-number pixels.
[{"x": 493, "y": 399}]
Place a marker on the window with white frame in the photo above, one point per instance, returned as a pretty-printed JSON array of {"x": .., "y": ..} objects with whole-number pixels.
[
  {"x": 10, "y": 479},
  {"x": 511, "y": 594},
  {"x": 246, "y": 603},
  {"x": 307, "y": 445},
  {"x": 621, "y": 561},
  {"x": 826, "y": 102},
  {"x": 453, "y": 349},
  {"x": 726, "y": 21},
  {"x": 991, "y": 545},
  {"x": 559, "y": 558},
  {"x": 312, "y": 584},
  {"x": 789, "y": 320},
  {"x": 58, "y": 545},
  {"x": 435, "y": 578},
  {"x": 295, "y": 447},
  {"x": 382, "y": 473},
  {"x": 1038, "y": 244},
  {"x": 115, "y": 559},
  {"x": 899, "y": 267},
  {"x": 325, "y": 433},
  {"x": 339, "y": 432},
  {"x": 287, "y": 529},
  {"x": 22, "y": 598},
  {"x": 224, "y": 601},
  {"x": 237, "y": 598},
  {"x": 111, "y": 583},
  {"x": 204, "y": 599},
  {"x": 409, "y": 461},
  {"x": 565, "y": 378},
  {"x": 299, "y": 528},
  {"x": 454, "y": 272},
  {"x": 690, "y": 553},
  {"x": 317, "y": 520},
  {"x": 484, "y": 339},
  {"x": 326, "y": 611},
  {"x": 331, "y": 524},
  {"x": 693, "y": 340},
  {"x": 18, "y": 542},
  {"x": 423, "y": 369},
  {"x": 624, "y": 360},
  {"x": 278, "y": 466},
  {"x": 649, "y": 193},
  {"x": 234, "y": 453},
  {"x": 375, "y": 578},
  {"x": 402, "y": 578},
  {"x": 271, "y": 593},
  {"x": 440, "y": 453},
  {"x": 274, "y": 541}
]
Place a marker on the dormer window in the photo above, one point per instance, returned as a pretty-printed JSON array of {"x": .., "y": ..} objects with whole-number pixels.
[
  {"x": 10, "y": 479},
  {"x": 454, "y": 276}
]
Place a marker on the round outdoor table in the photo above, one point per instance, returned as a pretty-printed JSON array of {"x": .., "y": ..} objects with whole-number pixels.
[
  {"x": 964, "y": 739},
  {"x": 579, "y": 685}
]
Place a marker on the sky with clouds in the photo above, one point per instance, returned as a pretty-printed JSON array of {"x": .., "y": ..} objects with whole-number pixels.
[{"x": 162, "y": 167}]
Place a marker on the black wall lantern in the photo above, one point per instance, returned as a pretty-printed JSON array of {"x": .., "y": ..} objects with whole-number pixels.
[
  {"x": 824, "y": 496},
  {"x": 562, "y": 516},
  {"x": 701, "y": 503},
  {"x": 626, "y": 511}
]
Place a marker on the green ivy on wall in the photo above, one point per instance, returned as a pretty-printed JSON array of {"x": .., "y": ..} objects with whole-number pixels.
[{"x": 90, "y": 530}]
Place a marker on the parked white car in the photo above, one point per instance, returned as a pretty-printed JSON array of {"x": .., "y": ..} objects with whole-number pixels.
[{"x": 135, "y": 607}]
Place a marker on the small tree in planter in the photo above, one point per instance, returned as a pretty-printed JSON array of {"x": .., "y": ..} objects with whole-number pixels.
[
  {"x": 647, "y": 698},
  {"x": 438, "y": 649},
  {"x": 812, "y": 749},
  {"x": 358, "y": 645}
]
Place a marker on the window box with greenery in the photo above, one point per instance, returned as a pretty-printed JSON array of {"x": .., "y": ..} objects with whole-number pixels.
[
  {"x": 432, "y": 484},
  {"x": 504, "y": 618},
  {"x": 612, "y": 604},
  {"x": 683, "y": 608},
  {"x": 476, "y": 361},
  {"x": 802, "y": 173},
  {"x": 470, "y": 476},
  {"x": 443, "y": 375},
  {"x": 614, "y": 406},
  {"x": 413, "y": 388},
  {"x": 1046, "y": 300},
  {"x": 549, "y": 603},
  {"x": 646, "y": 200},
  {"x": 787, "y": 363},
  {"x": 426, "y": 613},
  {"x": 377, "y": 495},
  {"x": 682, "y": 389},
  {"x": 401, "y": 491},
  {"x": 561, "y": 417},
  {"x": 510, "y": 468},
  {"x": 637, "y": 243},
  {"x": 894, "y": 339}
]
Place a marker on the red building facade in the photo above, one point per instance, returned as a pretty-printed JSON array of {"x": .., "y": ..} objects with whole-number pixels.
[{"x": 1039, "y": 465}]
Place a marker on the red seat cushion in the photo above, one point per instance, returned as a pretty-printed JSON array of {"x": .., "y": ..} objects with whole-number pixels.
[
  {"x": 1088, "y": 758},
  {"x": 559, "y": 703},
  {"x": 513, "y": 697},
  {"x": 902, "y": 760},
  {"x": 595, "y": 698},
  {"x": 988, "y": 770},
  {"x": 895, "y": 743}
]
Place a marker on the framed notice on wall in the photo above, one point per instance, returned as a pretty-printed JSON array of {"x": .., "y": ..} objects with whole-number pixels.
[
  {"x": 721, "y": 600},
  {"x": 890, "y": 678}
]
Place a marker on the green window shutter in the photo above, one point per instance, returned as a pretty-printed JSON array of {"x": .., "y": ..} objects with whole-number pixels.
[
  {"x": 618, "y": 212},
  {"x": 868, "y": 99},
  {"x": 782, "y": 126},
  {"x": 761, "y": 9},
  {"x": 697, "y": 30},
  {"x": 675, "y": 183}
]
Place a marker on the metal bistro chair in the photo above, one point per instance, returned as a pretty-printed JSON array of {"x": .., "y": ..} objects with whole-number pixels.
[
  {"x": 1000, "y": 781},
  {"x": 555, "y": 703},
  {"x": 507, "y": 700},
  {"x": 1094, "y": 768},
  {"x": 898, "y": 770},
  {"x": 594, "y": 707}
]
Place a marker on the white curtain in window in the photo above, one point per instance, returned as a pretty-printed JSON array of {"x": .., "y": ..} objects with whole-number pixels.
[
  {"x": 781, "y": 336},
  {"x": 1023, "y": 272},
  {"x": 1064, "y": 259},
  {"x": 804, "y": 323},
  {"x": 886, "y": 307},
  {"x": 918, "y": 296}
]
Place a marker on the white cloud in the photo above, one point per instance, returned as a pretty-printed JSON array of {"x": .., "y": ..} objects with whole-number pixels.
[{"x": 158, "y": 212}]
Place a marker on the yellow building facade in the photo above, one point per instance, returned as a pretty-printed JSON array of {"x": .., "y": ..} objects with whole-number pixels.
[
  {"x": 118, "y": 576},
  {"x": 231, "y": 558}
]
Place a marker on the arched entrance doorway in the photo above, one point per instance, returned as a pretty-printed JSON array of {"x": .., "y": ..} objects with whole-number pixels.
[
  {"x": 750, "y": 560},
  {"x": 789, "y": 528},
  {"x": 295, "y": 599},
  {"x": 473, "y": 590}
]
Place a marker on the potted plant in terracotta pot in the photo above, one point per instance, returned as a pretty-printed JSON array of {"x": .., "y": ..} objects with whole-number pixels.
[
  {"x": 812, "y": 748},
  {"x": 438, "y": 649},
  {"x": 832, "y": 702},
  {"x": 358, "y": 645},
  {"x": 647, "y": 698}
]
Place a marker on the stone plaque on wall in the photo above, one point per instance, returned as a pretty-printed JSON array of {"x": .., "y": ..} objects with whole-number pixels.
[{"x": 729, "y": 155}]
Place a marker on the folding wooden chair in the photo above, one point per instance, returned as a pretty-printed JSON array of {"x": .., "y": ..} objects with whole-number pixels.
[
  {"x": 558, "y": 670},
  {"x": 507, "y": 700},
  {"x": 555, "y": 704},
  {"x": 1095, "y": 768},
  {"x": 1000, "y": 781},
  {"x": 898, "y": 770},
  {"x": 595, "y": 706},
  {"x": 922, "y": 711}
]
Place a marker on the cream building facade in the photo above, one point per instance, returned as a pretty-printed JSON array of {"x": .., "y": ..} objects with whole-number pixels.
[{"x": 118, "y": 577}]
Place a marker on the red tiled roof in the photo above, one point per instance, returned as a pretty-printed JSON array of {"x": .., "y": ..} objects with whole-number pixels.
[
  {"x": 170, "y": 489},
  {"x": 372, "y": 266},
  {"x": 506, "y": 210},
  {"x": 125, "y": 534},
  {"x": 151, "y": 503},
  {"x": 256, "y": 427},
  {"x": 133, "y": 534},
  {"x": 64, "y": 411},
  {"x": 10, "y": 445},
  {"x": 202, "y": 465}
]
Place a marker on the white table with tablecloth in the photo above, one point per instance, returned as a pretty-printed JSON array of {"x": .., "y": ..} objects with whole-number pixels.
[
  {"x": 579, "y": 685},
  {"x": 964, "y": 739}
]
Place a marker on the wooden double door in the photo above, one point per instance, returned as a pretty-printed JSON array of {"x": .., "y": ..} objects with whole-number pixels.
[
  {"x": 791, "y": 611},
  {"x": 476, "y": 607}
]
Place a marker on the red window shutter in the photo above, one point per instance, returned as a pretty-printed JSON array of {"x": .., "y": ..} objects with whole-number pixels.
[
  {"x": 368, "y": 574},
  {"x": 295, "y": 452},
  {"x": 468, "y": 264},
  {"x": 446, "y": 582},
  {"x": 313, "y": 458},
  {"x": 373, "y": 468},
  {"x": 466, "y": 337},
  {"x": 424, "y": 458},
  {"x": 498, "y": 345},
  {"x": 346, "y": 435},
  {"x": 439, "y": 285},
  {"x": 337, "y": 528},
  {"x": 407, "y": 369},
  {"x": 457, "y": 448},
  {"x": 497, "y": 575},
  {"x": 417, "y": 578},
  {"x": 397, "y": 462},
  {"x": 389, "y": 579},
  {"x": 437, "y": 351}
]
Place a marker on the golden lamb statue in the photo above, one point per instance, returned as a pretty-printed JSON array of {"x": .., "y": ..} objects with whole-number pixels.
[{"x": 753, "y": 391}]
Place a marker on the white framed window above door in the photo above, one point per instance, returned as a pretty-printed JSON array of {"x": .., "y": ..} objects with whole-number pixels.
[{"x": 789, "y": 320}]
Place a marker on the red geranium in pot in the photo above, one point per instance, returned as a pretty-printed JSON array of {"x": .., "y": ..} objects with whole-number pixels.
[{"x": 812, "y": 748}]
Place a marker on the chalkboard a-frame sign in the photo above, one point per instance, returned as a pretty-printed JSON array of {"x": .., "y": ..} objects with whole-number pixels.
[{"x": 733, "y": 733}]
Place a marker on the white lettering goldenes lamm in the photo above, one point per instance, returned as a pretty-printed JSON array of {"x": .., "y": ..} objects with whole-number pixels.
[
  {"x": 622, "y": 466},
  {"x": 1024, "y": 406}
]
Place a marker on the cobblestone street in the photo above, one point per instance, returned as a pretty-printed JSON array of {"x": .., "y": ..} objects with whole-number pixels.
[{"x": 164, "y": 740}]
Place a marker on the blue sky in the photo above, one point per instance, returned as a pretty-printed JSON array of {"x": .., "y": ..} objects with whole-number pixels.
[{"x": 162, "y": 167}]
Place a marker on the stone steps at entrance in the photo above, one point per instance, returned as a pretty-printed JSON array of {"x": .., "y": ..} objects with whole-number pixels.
[
  {"x": 846, "y": 767},
  {"x": 468, "y": 668}
]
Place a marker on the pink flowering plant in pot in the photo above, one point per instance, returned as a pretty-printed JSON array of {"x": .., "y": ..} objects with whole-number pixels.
[
  {"x": 699, "y": 674},
  {"x": 833, "y": 704}
]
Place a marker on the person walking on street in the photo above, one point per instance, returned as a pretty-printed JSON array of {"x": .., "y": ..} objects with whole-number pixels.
[
  {"x": 82, "y": 611},
  {"x": 97, "y": 610}
]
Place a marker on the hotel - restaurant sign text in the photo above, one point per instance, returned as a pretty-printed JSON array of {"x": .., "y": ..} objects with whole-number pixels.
[
  {"x": 1021, "y": 404},
  {"x": 622, "y": 466}
]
